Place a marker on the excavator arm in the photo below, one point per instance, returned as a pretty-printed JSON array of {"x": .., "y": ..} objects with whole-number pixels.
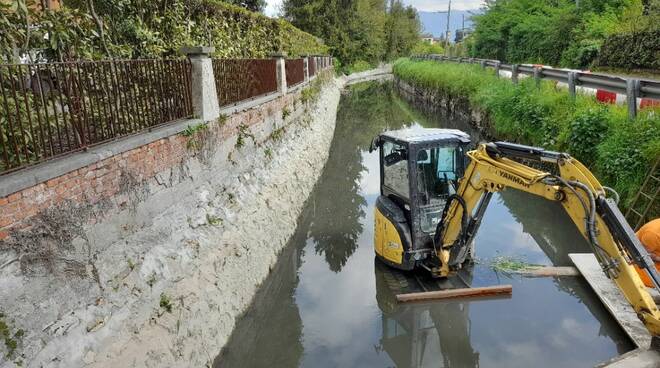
[{"x": 493, "y": 168}]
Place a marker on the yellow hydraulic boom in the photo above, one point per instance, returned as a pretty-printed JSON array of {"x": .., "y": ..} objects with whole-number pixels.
[{"x": 492, "y": 168}]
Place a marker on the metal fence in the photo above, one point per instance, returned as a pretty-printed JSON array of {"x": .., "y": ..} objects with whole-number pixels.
[
  {"x": 50, "y": 109},
  {"x": 242, "y": 79},
  {"x": 295, "y": 71},
  {"x": 631, "y": 87}
]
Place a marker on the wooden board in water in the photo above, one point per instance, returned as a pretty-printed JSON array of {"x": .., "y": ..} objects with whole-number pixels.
[{"x": 456, "y": 293}]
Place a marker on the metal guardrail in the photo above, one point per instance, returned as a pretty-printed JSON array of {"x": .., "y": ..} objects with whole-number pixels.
[{"x": 631, "y": 87}]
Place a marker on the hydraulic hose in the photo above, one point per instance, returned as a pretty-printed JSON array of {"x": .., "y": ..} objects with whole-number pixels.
[{"x": 440, "y": 229}]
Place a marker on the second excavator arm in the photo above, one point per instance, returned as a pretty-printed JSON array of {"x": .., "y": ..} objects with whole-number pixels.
[{"x": 496, "y": 166}]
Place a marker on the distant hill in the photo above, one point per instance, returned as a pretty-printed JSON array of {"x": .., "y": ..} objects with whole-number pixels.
[{"x": 436, "y": 24}]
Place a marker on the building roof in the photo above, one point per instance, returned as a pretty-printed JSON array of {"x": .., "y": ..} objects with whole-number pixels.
[{"x": 419, "y": 135}]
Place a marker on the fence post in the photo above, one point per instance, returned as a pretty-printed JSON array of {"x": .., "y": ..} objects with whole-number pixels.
[
  {"x": 483, "y": 64},
  {"x": 280, "y": 66},
  {"x": 514, "y": 73},
  {"x": 632, "y": 92},
  {"x": 572, "y": 78},
  {"x": 497, "y": 69},
  {"x": 203, "y": 91},
  {"x": 537, "y": 76},
  {"x": 306, "y": 68}
]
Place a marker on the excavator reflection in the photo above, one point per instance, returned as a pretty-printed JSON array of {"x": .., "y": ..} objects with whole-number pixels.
[{"x": 422, "y": 334}]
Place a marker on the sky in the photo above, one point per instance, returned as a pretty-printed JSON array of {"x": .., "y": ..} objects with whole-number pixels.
[{"x": 273, "y": 6}]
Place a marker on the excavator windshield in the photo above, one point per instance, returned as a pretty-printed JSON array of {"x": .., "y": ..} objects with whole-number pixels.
[{"x": 437, "y": 170}]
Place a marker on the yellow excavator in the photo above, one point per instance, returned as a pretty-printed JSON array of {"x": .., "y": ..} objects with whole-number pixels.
[{"x": 435, "y": 190}]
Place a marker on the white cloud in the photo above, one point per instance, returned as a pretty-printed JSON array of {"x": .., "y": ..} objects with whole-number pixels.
[{"x": 273, "y": 7}]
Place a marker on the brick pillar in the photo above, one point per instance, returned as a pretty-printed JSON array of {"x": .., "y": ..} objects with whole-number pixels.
[
  {"x": 280, "y": 66},
  {"x": 306, "y": 67},
  {"x": 204, "y": 94}
]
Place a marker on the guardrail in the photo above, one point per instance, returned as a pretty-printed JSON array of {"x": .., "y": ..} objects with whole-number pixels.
[{"x": 631, "y": 87}]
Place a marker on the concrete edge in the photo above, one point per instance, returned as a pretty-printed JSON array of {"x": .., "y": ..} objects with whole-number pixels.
[{"x": 51, "y": 169}]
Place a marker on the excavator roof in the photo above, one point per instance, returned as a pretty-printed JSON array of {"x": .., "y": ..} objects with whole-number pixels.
[{"x": 424, "y": 135}]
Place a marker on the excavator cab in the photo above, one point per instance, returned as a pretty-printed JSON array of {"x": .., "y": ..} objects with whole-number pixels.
[{"x": 419, "y": 170}]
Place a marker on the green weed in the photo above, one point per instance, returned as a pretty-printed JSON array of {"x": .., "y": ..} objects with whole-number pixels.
[{"x": 166, "y": 303}]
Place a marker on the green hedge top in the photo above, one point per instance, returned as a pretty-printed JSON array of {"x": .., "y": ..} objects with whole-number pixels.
[{"x": 147, "y": 29}]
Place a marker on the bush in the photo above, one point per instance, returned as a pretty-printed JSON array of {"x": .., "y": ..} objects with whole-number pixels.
[
  {"x": 358, "y": 66},
  {"x": 426, "y": 48},
  {"x": 586, "y": 132},
  {"x": 632, "y": 51},
  {"x": 618, "y": 150},
  {"x": 148, "y": 29}
]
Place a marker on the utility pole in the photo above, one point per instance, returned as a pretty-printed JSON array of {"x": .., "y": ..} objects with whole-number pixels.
[
  {"x": 447, "y": 34},
  {"x": 447, "y": 31}
]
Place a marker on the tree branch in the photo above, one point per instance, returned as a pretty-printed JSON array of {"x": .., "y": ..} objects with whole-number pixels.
[{"x": 99, "y": 24}]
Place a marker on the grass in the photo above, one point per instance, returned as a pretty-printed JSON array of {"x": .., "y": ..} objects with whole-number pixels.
[
  {"x": 618, "y": 150},
  {"x": 511, "y": 264}
]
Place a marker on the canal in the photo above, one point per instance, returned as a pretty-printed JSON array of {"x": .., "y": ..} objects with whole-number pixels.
[{"x": 329, "y": 303}]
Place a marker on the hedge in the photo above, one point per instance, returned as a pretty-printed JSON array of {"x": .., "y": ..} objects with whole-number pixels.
[
  {"x": 618, "y": 150},
  {"x": 148, "y": 29},
  {"x": 631, "y": 51}
]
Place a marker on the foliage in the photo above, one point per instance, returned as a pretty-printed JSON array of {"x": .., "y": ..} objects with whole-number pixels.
[
  {"x": 357, "y": 67},
  {"x": 357, "y": 30},
  {"x": 632, "y": 51},
  {"x": 146, "y": 29},
  {"x": 558, "y": 32},
  {"x": 426, "y": 48},
  {"x": 618, "y": 150}
]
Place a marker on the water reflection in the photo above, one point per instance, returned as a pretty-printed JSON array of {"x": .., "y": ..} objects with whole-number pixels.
[
  {"x": 419, "y": 335},
  {"x": 319, "y": 307}
]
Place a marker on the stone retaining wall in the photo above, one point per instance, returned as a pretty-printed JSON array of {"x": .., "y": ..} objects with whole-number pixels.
[{"x": 146, "y": 252}]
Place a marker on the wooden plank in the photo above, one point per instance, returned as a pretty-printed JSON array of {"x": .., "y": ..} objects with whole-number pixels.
[
  {"x": 638, "y": 358},
  {"x": 549, "y": 272},
  {"x": 612, "y": 298},
  {"x": 456, "y": 293}
]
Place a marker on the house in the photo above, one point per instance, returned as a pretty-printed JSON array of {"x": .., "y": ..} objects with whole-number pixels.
[{"x": 427, "y": 37}]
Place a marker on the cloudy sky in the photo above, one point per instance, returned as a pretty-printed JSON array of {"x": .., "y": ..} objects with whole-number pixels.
[{"x": 423, "y": 5}]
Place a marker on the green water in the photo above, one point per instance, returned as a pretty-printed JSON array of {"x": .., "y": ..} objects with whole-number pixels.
[{"x": 329, "y": 303}]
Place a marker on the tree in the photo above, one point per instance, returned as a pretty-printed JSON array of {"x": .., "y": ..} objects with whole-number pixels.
[
  {"x": 555, "y": 32},
  {"x": 357, "y": 30}
]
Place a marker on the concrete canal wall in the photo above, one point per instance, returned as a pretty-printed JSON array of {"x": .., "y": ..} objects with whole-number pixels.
[{"x": 144, "y": 251}]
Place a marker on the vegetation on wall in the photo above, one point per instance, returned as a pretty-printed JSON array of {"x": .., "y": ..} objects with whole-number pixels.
[
  {"x": 618, "y": 150},
  {"x": 358, "y": 32},
  {"x": 96, "y": 29},
  {"x": 559, "y": 32}
]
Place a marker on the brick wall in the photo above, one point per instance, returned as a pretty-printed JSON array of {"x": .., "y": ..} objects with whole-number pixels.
[{"x": 103, "y": 180}]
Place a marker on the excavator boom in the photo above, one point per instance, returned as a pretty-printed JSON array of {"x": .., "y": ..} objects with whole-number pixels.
[{"x": 496, "y": 166}]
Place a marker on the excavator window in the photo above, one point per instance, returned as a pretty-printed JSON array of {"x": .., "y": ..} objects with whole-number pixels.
[
  {"x": 436, "y": 173},
  {"x": 395, "y": 169}
]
